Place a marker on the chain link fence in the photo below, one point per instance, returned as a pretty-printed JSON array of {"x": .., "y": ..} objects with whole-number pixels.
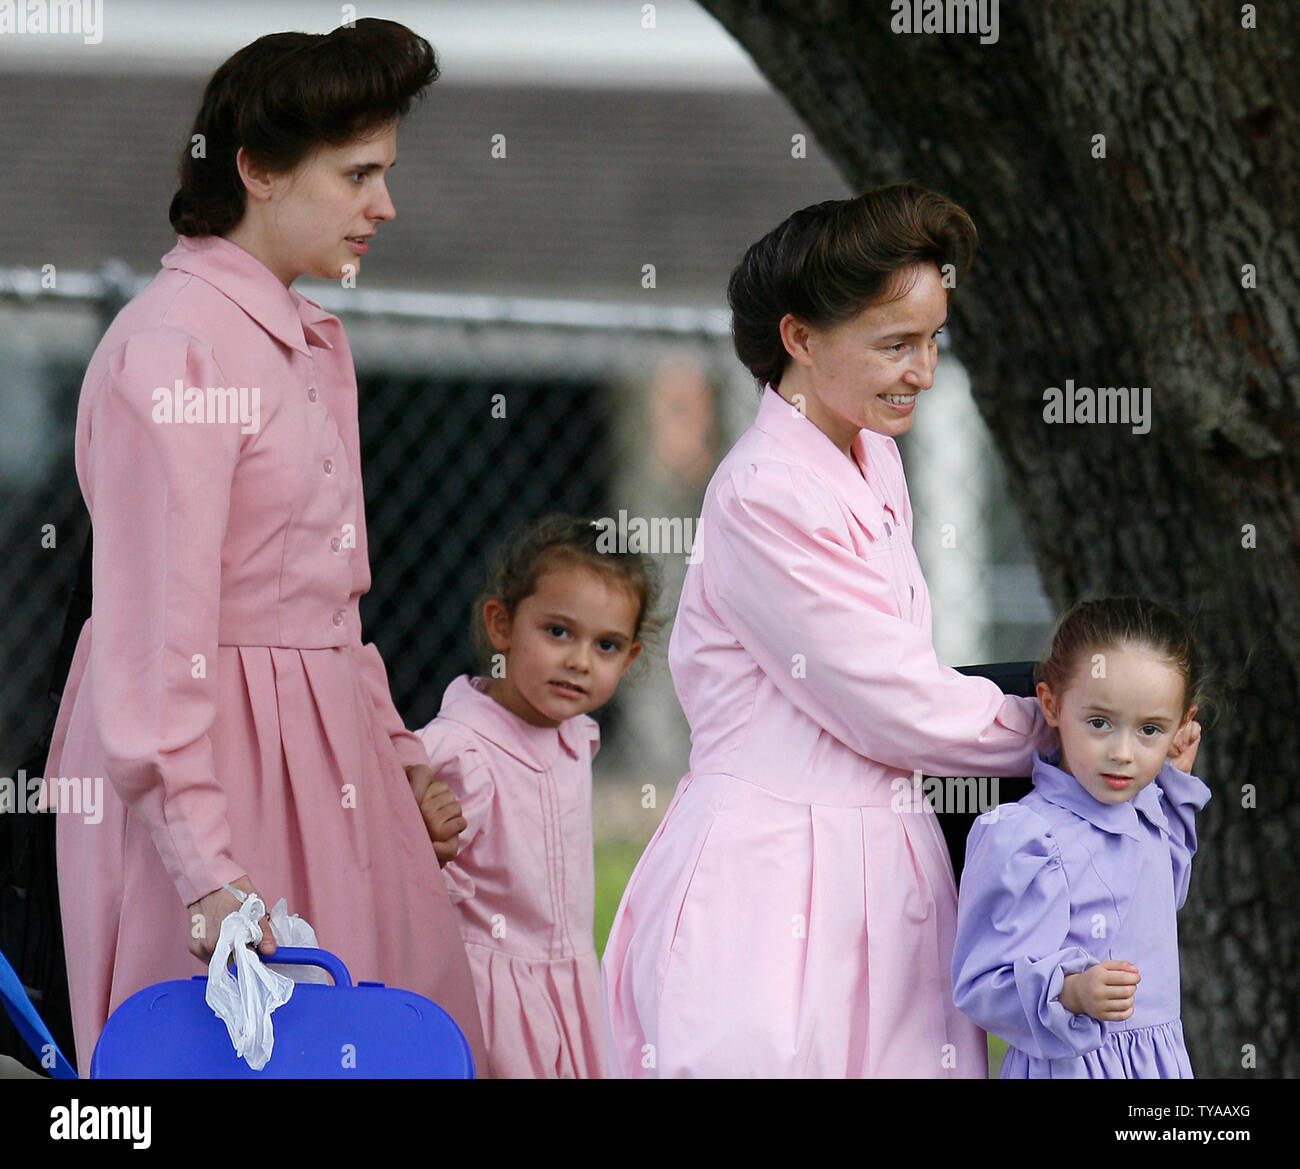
[{"x": 478, "y": 414}]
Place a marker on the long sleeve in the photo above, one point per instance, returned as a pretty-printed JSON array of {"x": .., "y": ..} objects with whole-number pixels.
[
  {"x": 1011, "y": 954},
  {"x": 159, "y": 492},
  {"x": 375, "y": 677},
  {"x": 777, "y": 569},
  {"x": 458, "y": 762},
  {"x": 1182, "y": 796}
]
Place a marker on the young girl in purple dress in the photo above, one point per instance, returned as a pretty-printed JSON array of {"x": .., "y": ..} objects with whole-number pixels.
[{"x": 1067, "y": 939}]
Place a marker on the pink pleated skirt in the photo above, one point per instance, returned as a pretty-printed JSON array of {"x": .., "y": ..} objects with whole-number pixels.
[
  {"x": 765, "y": 937},
  {"x": 541, "y": 1018},
  {"x": 293, "y": 727}
]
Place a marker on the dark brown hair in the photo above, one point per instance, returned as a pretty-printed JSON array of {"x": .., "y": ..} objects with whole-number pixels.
[
  {"x": 549, "y": 543},
  {"x": 1095, "y": 626},
  {"x": 828, "y": 262},
  {"x": 283, "y": 96}
]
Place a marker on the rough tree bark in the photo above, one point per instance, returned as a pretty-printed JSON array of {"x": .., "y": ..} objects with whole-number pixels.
[{"x": 1127, "y": 270}]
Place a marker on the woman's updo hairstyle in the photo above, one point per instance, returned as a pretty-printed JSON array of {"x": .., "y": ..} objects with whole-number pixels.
[
  {"x": 283, "y": 96},
  {"x": 828, "y": 262}
]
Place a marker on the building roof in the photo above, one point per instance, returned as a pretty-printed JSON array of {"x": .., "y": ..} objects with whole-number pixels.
[{"x": 595, "y": 183}]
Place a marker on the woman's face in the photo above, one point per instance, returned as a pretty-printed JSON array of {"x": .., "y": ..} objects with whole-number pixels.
[
  {"x": 320, "y": 215},
  {"x": 867, "y": 371}
]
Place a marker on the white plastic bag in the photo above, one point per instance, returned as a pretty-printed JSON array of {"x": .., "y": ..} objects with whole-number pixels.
[
  {"x": 245, "y": 1003},
  {"x": 293, "y": 931}
]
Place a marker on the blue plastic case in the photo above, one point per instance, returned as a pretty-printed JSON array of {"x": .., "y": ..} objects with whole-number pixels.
[{"x": 339, "y": 1032}]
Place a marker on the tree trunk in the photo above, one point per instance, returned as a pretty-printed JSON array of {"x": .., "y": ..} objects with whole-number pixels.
[{"x": 1127, "y": 270}]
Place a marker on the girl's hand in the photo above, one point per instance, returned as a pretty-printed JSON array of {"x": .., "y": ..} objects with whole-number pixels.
[
  {"x": 441, "y": 810},
  {"x": 207, "y": 914},
  {"x": 442, "y": 817},
  {"x": 1104, "y": 991},
  {"x": 1182, "y": 752}
]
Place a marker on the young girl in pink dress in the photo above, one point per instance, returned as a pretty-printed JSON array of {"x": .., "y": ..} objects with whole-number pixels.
[{"x": 562, "y": 621}]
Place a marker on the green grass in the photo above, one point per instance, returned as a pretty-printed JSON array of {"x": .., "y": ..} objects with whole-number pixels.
[
  {"x": 615, "y": 860},
  {"x": 997, "y": 1049}
]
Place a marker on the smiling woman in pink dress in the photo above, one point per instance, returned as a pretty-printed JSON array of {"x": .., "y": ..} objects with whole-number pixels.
[
  {"x": 221, "y": 685},
  {"x": 792, "y": 916}
]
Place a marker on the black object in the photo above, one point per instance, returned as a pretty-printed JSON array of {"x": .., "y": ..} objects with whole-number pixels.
[
  {"x": 1011, "y": 678},
  {"x": 31, "y": 926}
]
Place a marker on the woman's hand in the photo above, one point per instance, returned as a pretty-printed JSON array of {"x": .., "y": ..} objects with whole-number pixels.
[
  {"x": 207, "y": 914},
  {"x": 1104, "y": 991},
  {"x": 1182, "y": 752},
  {"x": 441, "y": 810}
]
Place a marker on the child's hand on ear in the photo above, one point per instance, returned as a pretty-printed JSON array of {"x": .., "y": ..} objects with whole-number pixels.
[
  {"x": 1104, "y": 991},
  {"x": 1182, "y": 752}
]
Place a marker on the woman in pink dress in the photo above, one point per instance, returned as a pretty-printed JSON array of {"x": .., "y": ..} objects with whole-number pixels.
[
  {"x": 794, "y": 913},
  {"x": 221, "y": 686}
]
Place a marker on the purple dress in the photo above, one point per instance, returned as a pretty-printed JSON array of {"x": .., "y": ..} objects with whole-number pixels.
[{"x": 1057, "y": 883}]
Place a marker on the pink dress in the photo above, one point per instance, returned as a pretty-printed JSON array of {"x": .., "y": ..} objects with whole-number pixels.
[
  {"x": 221, "y": 684},
  {"x": 785, "y": 919},
  {"x": 523, "y": 880}
]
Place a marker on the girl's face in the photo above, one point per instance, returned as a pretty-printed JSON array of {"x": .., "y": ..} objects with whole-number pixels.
[
  {"x": 1116, "y": 729},
  {"x": 314, "y": 213},
  {"x": 567, "y": 646},
  {"x": 867, "y": 371}
]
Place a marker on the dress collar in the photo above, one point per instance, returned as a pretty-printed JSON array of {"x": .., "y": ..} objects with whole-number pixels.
[
  {"x": 1063, "y": 790},
  {"x": 852, "y": 481},
  {"x": 467, "y": 701},
  {"x": 286, "y": 314}
]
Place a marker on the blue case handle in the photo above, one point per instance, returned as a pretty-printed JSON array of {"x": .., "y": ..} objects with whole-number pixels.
[{"x": 306, "y": 956}]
